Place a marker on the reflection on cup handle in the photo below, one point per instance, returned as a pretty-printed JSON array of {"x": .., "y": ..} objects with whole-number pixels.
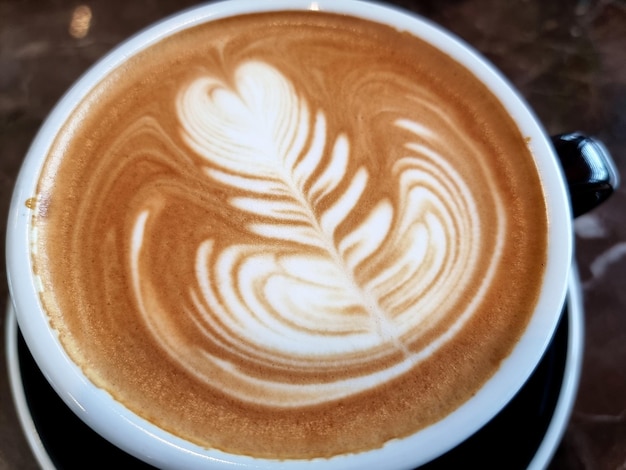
[{"x": 589, "y": 169}]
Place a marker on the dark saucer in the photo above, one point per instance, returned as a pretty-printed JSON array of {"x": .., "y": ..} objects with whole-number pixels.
[{"x": 499, "y": 444}]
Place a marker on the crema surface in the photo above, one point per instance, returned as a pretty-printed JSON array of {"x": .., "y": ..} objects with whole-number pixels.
[{"x": 290, "y": 235}]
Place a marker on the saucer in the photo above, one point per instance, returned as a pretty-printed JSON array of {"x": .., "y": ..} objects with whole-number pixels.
[{"x": 541, "y": 409}]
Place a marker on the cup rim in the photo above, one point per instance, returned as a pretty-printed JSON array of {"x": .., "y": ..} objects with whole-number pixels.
[
  {"x": 562, "y": 410},
  {"x": 116, "y": 423}
]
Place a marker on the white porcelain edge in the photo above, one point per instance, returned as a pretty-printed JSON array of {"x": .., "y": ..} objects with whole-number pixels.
[
  {"x": 571, "y": 376},
  {"x": 76, "y": 395},
  {"x": 19, "y": 394},
  {"x": 544, "y": 454}
]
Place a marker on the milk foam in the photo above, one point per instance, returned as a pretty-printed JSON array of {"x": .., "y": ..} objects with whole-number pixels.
[
  {"x": 290, "y": 235},
  {"x": 306, "y": 296}
]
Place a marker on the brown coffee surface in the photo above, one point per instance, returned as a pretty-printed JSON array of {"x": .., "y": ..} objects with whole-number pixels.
[{"x": 290, "y": 235}]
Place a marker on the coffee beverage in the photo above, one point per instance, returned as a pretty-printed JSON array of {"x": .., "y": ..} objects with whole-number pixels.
[{"x": 290, "y": 234}]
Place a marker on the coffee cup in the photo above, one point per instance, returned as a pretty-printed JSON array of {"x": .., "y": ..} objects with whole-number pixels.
[{"x": 292, "y": 235}]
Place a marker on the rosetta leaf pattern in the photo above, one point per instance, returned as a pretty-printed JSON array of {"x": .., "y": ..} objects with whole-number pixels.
[{"x": 303, "y": 299}]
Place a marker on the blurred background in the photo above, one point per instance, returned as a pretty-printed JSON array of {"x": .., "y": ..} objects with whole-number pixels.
[{"x": 567, "y": 58}]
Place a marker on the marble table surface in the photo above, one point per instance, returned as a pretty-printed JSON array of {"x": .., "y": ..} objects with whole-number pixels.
[{"x": 568, "y": 59}]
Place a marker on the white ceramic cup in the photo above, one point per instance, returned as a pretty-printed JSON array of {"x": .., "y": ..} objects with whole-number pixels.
[{"x": 147, "y": 442}]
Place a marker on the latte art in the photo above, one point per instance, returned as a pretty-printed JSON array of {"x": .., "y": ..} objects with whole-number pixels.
[
  {"x": 290, "y": 235},
  {"x": 301, "y": 300}
]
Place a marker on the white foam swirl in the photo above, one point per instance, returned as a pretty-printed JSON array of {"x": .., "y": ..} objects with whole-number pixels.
[{"x": 305, "y": 302}]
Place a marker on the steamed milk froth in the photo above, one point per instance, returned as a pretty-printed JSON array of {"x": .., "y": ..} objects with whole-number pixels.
[{"x": 290, "y": 235}]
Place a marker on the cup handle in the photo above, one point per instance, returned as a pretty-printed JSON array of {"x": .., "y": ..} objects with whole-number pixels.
[{"x": 589, "y": 169}]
